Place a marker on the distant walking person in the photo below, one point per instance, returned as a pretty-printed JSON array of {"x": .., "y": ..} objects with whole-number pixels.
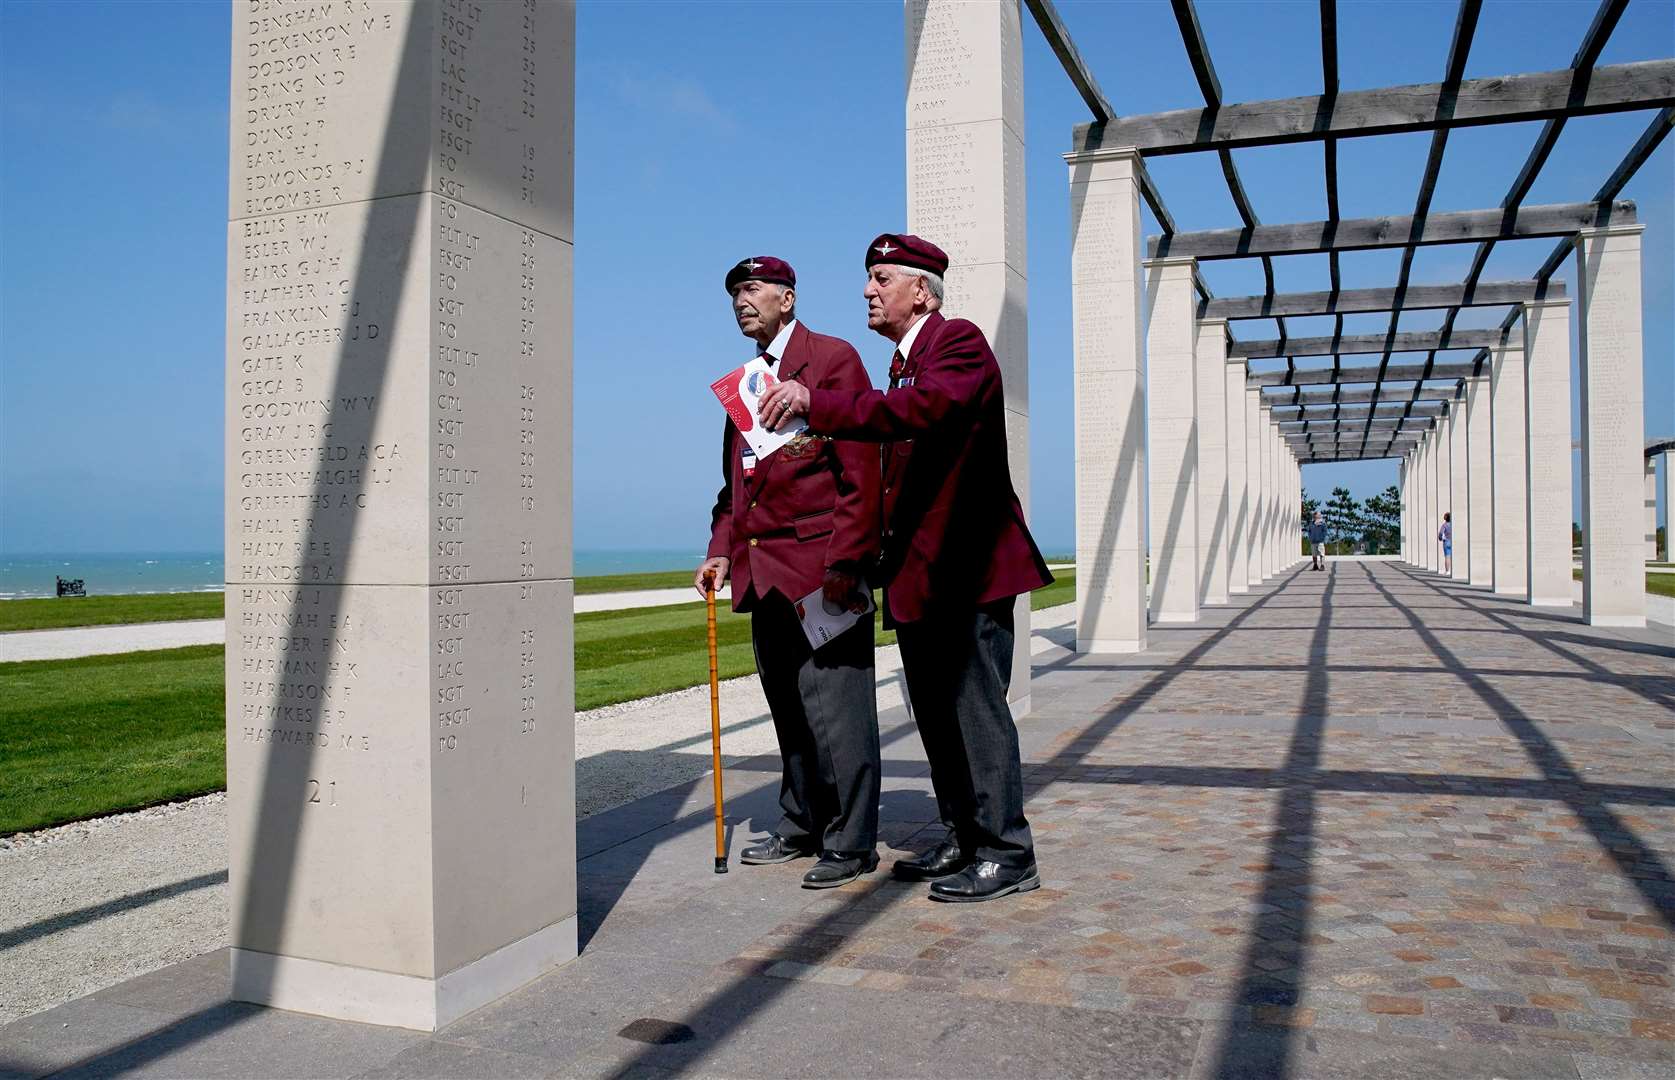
[
  {"x": 1317, "y": 538},
  {"x": 1446, "y": 535}
]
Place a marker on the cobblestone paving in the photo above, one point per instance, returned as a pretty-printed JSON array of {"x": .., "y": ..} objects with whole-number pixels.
[{"x": 1375, "y": 803}]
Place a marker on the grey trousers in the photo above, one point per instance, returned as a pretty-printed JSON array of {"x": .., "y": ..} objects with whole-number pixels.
[
  {"x": 958, "y": 669},
  {"x": 825, "y": 709}
]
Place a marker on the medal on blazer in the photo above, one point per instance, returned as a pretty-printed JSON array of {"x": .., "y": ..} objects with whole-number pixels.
[{"x": 748, "y": 461}]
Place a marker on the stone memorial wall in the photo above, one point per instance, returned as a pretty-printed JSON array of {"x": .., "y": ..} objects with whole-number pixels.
[{"x": 399, "y": 685}]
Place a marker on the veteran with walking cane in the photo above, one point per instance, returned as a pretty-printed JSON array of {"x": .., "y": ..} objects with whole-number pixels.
[
  {"x": 805, "y": 517},
  {"x": 956, "y": 552}
]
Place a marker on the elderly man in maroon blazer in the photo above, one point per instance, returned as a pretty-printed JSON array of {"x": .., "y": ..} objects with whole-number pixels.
[
  {"x": 956, "y": 551},
  {"x": 802, "y": 518}
]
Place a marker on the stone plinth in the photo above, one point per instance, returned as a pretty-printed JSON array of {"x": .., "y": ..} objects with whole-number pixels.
[
  {"x": 965, "y": 193},
  {"x": 1214, "y": 524},
  {"x": 1110, "y": 401},
  {"x": 1254, "y": 420},
  {"x": 1509, "y": 480},
  {"x": 401, "y": 805},
  {"x": 1172, "y": 438},
  {"x": 1479, "y": 481},
  {"x": 1609, "y": 362},
  {"x": 1238, "y": 510},
  {"x": 1547, "y": 451}
]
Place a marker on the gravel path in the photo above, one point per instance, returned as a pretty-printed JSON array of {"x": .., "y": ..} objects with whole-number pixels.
[{"x": 85, "y": 906}]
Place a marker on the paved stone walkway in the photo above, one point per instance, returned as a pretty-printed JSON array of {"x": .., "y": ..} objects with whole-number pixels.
[{"x": 1363, "y": 823}]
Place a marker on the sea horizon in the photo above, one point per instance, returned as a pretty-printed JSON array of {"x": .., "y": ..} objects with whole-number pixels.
[{"x": 28, "y": 575}]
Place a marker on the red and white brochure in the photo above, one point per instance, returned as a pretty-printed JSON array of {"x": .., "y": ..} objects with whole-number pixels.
[{"x": 739, "y": 391}]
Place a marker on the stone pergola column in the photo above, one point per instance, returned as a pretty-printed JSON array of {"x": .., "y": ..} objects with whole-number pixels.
[
  {"x": 1479, "y": 481},
  {"x": 1404, "y": 473},
  {"x": 1214, "y": 526},
  {"x": 965, "y": 193},
  {"x": 1238, "y": 548},
  {"x": 1254, "y": 419},
  {"x": 1459, "y": 486},
  {"x": 1443, "y": 491},
  {"x": 399, "y": 692},
  {"x": 1110, "y": 401},
  {"x": 1547, "y": 451},
  {"x": 1172, "y": 438},
  {"x": 1609, "y": 363},
  {"x": 1265, "y": 507},
  {"x": 1508, "y": 468}
]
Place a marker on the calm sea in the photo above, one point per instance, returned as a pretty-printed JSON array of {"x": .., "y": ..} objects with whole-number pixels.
[{"x": 26, "y": 575}]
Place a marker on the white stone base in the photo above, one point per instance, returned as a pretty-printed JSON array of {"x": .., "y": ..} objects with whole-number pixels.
[
  {"x": 406, "y": 1001},
  {"x": 1237, "y": 590},
  {"x": 1165, "y": 620},
  {"x": 1112, "y": 645},
  {"x": 1552, "y": 601},
  {"x": 1636, "y": 622},
  {"x": 1516, "y": 594},
  {"x": 1020, "y": 708}
]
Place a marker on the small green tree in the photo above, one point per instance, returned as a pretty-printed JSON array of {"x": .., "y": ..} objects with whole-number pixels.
[
  {"x": 1343, "y": 520},
  {"x": 1382, "y": 521}
]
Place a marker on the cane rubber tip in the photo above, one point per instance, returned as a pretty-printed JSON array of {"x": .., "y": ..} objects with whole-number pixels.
[{"x": 720, "y": 865}]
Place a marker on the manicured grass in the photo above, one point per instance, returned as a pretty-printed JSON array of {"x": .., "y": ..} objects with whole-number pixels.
[
  {"x": 1656, "y": 584},
  {"x": 53, "y": 613},
  {"x": 660, "y": 579},
  {"x": 103, "y": 733},
  {"x": 99, "y": 734}
]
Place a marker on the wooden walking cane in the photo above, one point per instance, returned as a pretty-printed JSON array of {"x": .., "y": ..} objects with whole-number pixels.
[{"x": 715, "y": 728}]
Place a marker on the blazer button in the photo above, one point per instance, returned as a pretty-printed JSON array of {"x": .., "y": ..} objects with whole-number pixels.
[
  {"x": 752, "y": 541},
  {"x": 753, "y": 504}
]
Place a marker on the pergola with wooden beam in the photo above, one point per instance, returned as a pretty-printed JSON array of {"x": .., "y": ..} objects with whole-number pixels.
[{"x": 1431, "y": 410}]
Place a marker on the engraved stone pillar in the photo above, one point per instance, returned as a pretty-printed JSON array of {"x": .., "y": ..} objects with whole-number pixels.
[
  {"x": 1172, "y": 438},
  {"x": 1238, "y": 548},
  {"x": 1547, "y": 450},
  {"x": 400, "y": 741},
  {"x": 1479, "y": 473},
  {"x": 1213, "y": 525},
  {"x": 1652, "y": 509},
  {"x": 1613, "y": 426},
  {"x": 1254, "y": 418},
  {"x": 1110, "y": 401},
  {"x": 1265, "y": 503},
  {"x": 965, "y": 193},
  {"x": 1508, "y": 474}
]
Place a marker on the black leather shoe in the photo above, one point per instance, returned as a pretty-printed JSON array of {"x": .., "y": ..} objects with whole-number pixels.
[
  {"x": 835, "y": 868},
  {"x": 985, "y": 881},
  {"x": 944, "y": 859},
  {"x": 775, "y": 849}
]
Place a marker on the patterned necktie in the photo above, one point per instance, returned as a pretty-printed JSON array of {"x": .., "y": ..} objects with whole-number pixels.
[{"x": 896, "y": 366}]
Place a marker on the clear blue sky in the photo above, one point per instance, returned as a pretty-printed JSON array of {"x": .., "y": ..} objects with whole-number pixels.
[{"x": 706, "y": 132}]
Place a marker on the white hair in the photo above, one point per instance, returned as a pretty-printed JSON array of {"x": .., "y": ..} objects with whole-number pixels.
[{"x": 933, "y": 282}]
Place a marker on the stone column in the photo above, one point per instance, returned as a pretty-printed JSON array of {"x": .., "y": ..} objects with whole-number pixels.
[
  {"x": 1547, "y": 451},
  {"x": 1276, "y": 499},
  {"x": 1254, "y": 417},
  {"x": 1265, "y": 506},
  {"x": 1172, "y": 438},
  {"x": 1459, "y": 490},
  {"x": 1403, "y": 468},
  {"x": 1214, "y": 525},
  {"x": 1479, "y": 474},
  {"x": 1434, "y": 501},
  {"x": 1508, "y": 469},
  {"x": 1238, "y": 548},
  {"x": 1110, "y": 401},
  {"x": 1613, "y": 426},
  {"x": 400, "y": 739},
  {"x": 965, "y": 193},
  {"x": 1664, "y": 500},
  {"x": 1652, "y": 509},
  {"x": 1445, "y": 480}
]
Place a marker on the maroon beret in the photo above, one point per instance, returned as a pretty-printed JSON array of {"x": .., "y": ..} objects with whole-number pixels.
[
  {"x": 907, "y": 250},
  {"x": 761, "y": 268}
]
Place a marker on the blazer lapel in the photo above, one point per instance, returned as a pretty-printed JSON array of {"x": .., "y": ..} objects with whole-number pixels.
[
  {"x": 791, "y": 366},
  {"x": 922, "y": 344}
]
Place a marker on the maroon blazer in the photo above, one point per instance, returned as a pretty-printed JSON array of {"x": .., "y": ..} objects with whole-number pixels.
[
  {"x": 954, "y": 531},
  {"x": 811, "y": 504}
]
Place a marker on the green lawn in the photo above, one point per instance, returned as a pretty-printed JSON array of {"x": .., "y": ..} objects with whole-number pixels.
[
  {"x": 100, "y": 734},
  {"x": 1656, "y": 584},
  {"x": 52, "y": 613}
]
